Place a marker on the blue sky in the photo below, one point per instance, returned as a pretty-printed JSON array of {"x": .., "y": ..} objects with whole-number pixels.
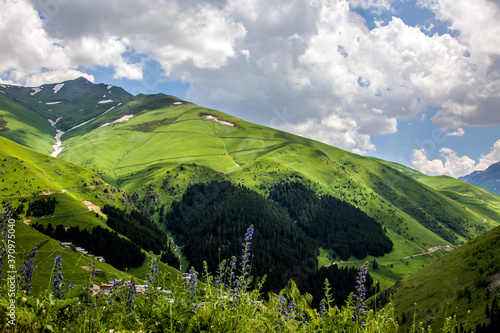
[{"x": 415, "y": 82}]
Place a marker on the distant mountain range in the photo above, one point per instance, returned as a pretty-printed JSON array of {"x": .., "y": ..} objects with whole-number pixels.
[
  {"x": 488, "y": 179},
  {"x": 151, "y": 149}
]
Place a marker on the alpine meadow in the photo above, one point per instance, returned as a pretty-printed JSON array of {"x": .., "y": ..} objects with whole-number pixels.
[{"x": 148, "y": 213}]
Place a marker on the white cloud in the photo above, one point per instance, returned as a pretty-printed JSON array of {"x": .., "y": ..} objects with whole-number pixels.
[
  {"x": 479, "y": 32},
  {"x": 459, "y": 132},
  {"x": 488, "y": 159},
  {"x": 338, "y": 81},
  {"x": 453, "y": 165}
]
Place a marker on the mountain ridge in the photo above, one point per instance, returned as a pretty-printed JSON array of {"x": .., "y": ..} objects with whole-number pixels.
[{"x": 488, "y": 179}]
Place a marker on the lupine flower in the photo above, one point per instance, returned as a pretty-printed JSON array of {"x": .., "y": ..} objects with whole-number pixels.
[
  {"x": 285, "y": 313},
  {"x": 360, "y": 294},
  {"x": 192, "y": 284},
  {"x": 151, "y": 278},
  {"x": 322, "y": 308},
  {"x": 4, "y": 218},
  {"x": 131, "y": 294},
  {"x": 57, "y": 282},
  {"x": 26, "y": 272},
  {"x": 93, "y": 272}
]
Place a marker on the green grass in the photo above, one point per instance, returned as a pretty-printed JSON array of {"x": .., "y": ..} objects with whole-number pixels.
[
  {"x": 26, "y": 127},
  {"x": 27, "y": 238},
  {"x": 454, "y": 283}
]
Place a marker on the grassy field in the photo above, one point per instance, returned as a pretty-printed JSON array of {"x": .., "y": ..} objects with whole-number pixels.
[{"x": 459, "y": 281}]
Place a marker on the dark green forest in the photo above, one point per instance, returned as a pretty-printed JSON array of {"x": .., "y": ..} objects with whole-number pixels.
[
  {"x": 333, "y": 223},
  {"x": 211, "y": 219},
  {"x": 117, "y": 251},
  {"x": 140, "y": 230}
]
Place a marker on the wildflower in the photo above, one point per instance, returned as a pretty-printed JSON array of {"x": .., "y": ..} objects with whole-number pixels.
[
  {"x": 360, "y": 294},
  {"x": 3, "y": 231},
  {"x": 131, "y": 295},
  {"x": 57, "y": 282},
  {"x": 151, "y": 278},
  {"x": 26, "y": 273}
]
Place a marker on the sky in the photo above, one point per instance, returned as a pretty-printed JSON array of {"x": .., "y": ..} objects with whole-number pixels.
[{"x": 416, "y": 82}]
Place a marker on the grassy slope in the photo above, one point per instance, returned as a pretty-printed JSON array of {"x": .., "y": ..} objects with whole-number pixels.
[
  {"x": 484, "y": 204},
  {"x": 25, "y": 126},
  {"x": 140, "y": 154},
  {"x": 165, "y": 147},
  {"x": 453, "y": 284},
  {"x": 26, "y": 174}
]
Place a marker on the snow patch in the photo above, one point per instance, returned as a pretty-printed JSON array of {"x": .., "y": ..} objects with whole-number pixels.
[
  {"x": 52, "y": 103},
  {"x": 104, "y": 96},
  {"x": 57, "y": 87},
  {"x": 109, "y": 87},
  {"x": 124, "y": 118},
  {"x": 57, "y": 147},
  {"x": 119, "y": 120},
  {"x": 53, "y": 123},
  {"x": 104, "y": 101},
  {"x": 3, "y": 86},
  {"x": 217, "y": 120},
  {"x": 35, "y": 90},
  {"x": 177, "y": 103}
]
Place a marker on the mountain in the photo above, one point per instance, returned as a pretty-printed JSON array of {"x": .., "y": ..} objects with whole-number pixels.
[
  {"x": 33, "y": 113},
  {"x": 154, "y": 148},
  {"x": 488, "y": 179},
  {"x": 466, "y": 279}
]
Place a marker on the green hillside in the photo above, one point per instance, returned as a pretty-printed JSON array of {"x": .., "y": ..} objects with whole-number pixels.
[
  {"x": 28, "y": 177},
  {"x": 25, "y": 126},
  {"x": 467, "y": 279},
  {"x": 153, "y": 147},
  {"x": 73, "y": 101},
  {"x": 480, "y": 201},
  {"x": 156, "y": 154}
]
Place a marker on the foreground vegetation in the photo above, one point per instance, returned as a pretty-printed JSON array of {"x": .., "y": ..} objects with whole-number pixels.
[{"x": 222, "y": 302}]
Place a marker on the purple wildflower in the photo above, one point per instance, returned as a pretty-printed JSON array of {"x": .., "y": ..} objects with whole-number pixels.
[
  {"x": 26, "y": 272},
  {"x": 4, "y": 218},
  {"x": 131, "y": 294},
  {"x": 57, "y": 282},
  {"x": 360, "y": 294}
]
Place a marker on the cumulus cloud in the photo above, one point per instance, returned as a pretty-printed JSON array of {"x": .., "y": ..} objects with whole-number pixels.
[
  {"x": 453, "y": 165},
  {"x": 459, "y": 132},
  {"x": 330, "y": 77},
  {"x": 479, "y": 32}
]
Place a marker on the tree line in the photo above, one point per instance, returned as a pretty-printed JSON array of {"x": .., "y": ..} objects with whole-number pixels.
[
  {"x": 142, "y": 231},
  {"x": 210, "y": 222},
  {"x": 333, "y": 223},
  {"x": 117, "y": 251}
]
